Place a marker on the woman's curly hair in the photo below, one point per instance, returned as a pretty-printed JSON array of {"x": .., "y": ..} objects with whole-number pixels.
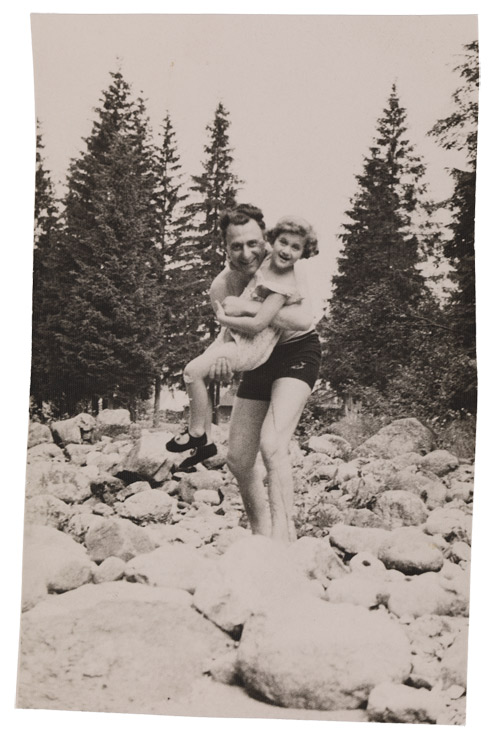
[{"x": 292, "y": 225}]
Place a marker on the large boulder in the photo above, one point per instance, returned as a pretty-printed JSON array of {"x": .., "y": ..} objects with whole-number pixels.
[
  {"x": 38, "y": 434},
  {"x": 318, "y": 655},
  {"x": 425, "y": 594},
  {"x": 426, "y": 485},
  {"x": 150, "y": 458},
  {"x": 170, "y": 566},
  {"x": 75, "y": 430},
  {"x": 440, "y": 462},
  {"x": 404, "y": 435},
  {"x": 411, "y": 551},
  {"x": 113, "y": 422},
  {"x": 52, "y": 562},
  {"x": 44, "y": 451},
  {"x": 252, "y": 573},
  {"x": 58, "y": 478},
  {"x": 397, "y": 508},
  {"x": 149, "y": 506},
  {"x": 116, "y": 538},
  {"x": 47, "y": 510}
]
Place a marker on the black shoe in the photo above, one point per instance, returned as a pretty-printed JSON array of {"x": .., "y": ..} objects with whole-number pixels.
[
  {"x": 184, "y": 440},
  {"x": 200, "y": 454}
]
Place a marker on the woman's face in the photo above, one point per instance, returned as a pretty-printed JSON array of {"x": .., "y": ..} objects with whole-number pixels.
[{"x": 245, "y": 247}]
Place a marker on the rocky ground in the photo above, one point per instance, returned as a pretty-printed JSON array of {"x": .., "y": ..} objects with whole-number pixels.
[{"x": 144, "y": 592}]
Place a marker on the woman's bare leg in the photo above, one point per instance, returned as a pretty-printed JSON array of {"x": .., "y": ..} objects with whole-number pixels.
[{"x": 289, "y": 397}]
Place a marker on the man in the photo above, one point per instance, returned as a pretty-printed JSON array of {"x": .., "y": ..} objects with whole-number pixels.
[{"x": 270, "y": 399}]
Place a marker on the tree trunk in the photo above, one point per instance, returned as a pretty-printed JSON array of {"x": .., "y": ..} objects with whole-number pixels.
[{"x": 157, "y": 402}]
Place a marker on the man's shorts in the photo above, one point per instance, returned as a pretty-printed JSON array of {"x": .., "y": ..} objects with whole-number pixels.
[{"x": 298, "y": 358}]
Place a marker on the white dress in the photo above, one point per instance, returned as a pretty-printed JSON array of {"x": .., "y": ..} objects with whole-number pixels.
[{"x": 254, "y": 350}]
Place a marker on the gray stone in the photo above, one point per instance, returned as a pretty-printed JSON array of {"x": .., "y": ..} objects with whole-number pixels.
[
  {"x": 363, "y": 518},
  {"x": 113, "y": 422},
  {"x": 331, "y": 445},
  {"x": 74, "y": 430},
  {"x": 149, "y": 457},
  {"x": 367, "y": 565},
  {"x": 170, "y": 566},
  {"x": 52, "y": 562},
  {"x": 319, "y": 655},
  {"x": 454, "y": 662},
  {"x": 391, "y": 703},
  {"x": 451, "y": 523},
  {"x": 426, "y": 485},
  {"x": 459, "y": 490},
  {"x": 208, "y": 496},
  {"x": 423, "y": 595},
  {"x": 353, "y": 539},
  {"x": 398, "y": 508},
  {"x": 110, "y": 570},
  {"x": 58, "y": 478},
  {"x": 440, "y": 462},
  {"x": 316, "y": 559},
  {"x": 116, "y": 538},
  {"x": 79, "y": 524},
  {"x": 359, "y": 590},
  {"x": 79, "y": 453},
  {"x": 411, "y": 552},
  {"x": 47, "y": 510},
  {"x": 150, "y": 506},
  {"x": 38, "y": 434},
  {"x": 205, "y": 480},
  {"x": 399, "y": 437},
  {"x": 252, "y": 573},
  {"x": 44, "y": 451}
]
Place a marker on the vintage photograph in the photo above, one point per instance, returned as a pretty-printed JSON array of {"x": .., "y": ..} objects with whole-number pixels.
[{"x": 252, "y": 416}]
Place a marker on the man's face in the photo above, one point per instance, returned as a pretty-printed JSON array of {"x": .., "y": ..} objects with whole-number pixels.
[{"x": 245, "y": 247}]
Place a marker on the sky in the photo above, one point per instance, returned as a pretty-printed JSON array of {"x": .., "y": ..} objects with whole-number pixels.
[
  {"x": 304, "y": 95},
  {"x": 355, "y": 85}
]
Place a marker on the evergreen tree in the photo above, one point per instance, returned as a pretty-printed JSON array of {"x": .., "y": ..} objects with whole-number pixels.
[
  {"x": 215, "y": 189},
  {"x": 105, "y": 334},
  {"x": 459, "y": 131},
  {"x": 380, "y": 299},
  {"x": 45, "y": 278}
]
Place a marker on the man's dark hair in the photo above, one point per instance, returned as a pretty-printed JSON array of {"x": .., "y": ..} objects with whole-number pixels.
[{"x": 239, "y": 215}]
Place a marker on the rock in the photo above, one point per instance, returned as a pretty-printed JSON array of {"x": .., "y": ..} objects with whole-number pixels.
[
  {"x": 113, "y": 422},
  {"x": 454, "y": 662},
  {"x": 426, "y": 485},
  {"x": 78, "y": 453},
  {"x": 451, "y": 523},
  {"x": 218, "y": 460},
  {"x": 151, "y": 505},
  {"x": 367, "y": 565},
  {"x": 207, "y": 523},
  {"x": 319, "y": 655},
  {"x": 363, "y": 518},
  {"x": 116, "y": 538},
  {"x": 44, "y": 451},
  {"x": 205, "y": 480},
  {"x": 46, "y": 510},
  {"x": 399, "y": 437},
  {"x": 149, "y": 457},
  {"x": 227, "y": 537},
  {"x": 145, "y": 651},
  {"x": 383, "y": 468},
  {"x": 423, "y": 595},
  {"x": 391, "y": 703},
  {"x": 430, "y": 637},
  {"x": 52, "y": 562},
  {"x": 458, "y": 490},
  {"x": 314, "y": 461},
  {"x": 105, "y": 462},
  {"x": 166, "y": 534},
  {"x": 170, "y": 566},
  {"x": 141, "y": 486},
  {"x": 358, "y": 590},
  {"x": 38, "y": 434},
  {"x": 352, "y": 539},
  {"x": 79, "y": 524},
  {"x": 223, "y": 668},
  {"x": 460, "y": 552},
  {"x": 253, "y": 572},
  {"x": 210, "y": 497},
  {"x": 316, "y": 559},
  {"x": 397, "y": 508},
  {"x": 411, "y": 552},
  {"x": 108, "y": 488},
  {"x": 74, "y": 430},
  {"x": 348, "y": 470},
  {"x": 63, "y": 480},
  {"x": 330, "y": 444},
  {"x": 440, "y": 462},
  {"x": 110, "y": 570}
]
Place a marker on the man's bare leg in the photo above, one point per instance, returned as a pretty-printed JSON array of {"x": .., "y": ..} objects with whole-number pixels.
[
  {"x": 289, "y": 397},
  {"x": 244, "y": 441}
]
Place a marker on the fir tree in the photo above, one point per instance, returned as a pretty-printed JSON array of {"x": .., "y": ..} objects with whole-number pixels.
[
  {"x": 45, "y": 278},
  {"x": 105, "y": 335},
  {"x": 380, "y": 299},
  {"x": 459, "y": 131},
  {"x": 216, "y": 188}
]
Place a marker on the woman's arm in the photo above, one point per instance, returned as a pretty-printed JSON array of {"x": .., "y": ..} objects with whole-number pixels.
[{"x": 253, "y": 324}]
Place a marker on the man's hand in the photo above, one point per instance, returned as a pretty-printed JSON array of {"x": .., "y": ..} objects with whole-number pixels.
[{"x": 221, "y": 370}]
